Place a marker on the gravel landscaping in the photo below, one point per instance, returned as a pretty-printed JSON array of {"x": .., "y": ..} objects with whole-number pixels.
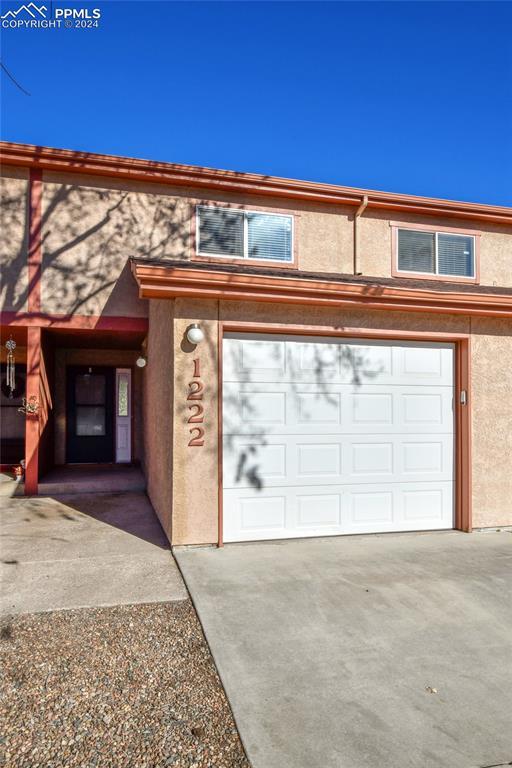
[{"x": 130, "y": 687}]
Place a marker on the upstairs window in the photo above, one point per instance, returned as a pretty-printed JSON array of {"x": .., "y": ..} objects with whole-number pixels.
[
  {"x": 235, "y": 234},
  {"x": 442, "y": 254}
]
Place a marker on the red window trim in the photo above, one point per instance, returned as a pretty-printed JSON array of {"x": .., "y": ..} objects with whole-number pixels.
[
  {"x": 195, "y": 256},
  {"x": 395, "y": 272}
]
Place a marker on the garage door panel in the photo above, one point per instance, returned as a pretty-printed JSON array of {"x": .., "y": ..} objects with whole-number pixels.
[
  {"x": 312, "y": 460},
  {"x": 258, "y": 359},
  {"x": 335, "y": 510},
  {"x": 307, "y": 409},
  {"x": 256, "y": 462},
  {"x": 324, "y": 437},
  {"x": 425, "y": 365},
  {"x": 335, "y": 361}
]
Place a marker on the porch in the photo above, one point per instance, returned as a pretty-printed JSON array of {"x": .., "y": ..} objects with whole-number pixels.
[{"x": 73, "y": 421}]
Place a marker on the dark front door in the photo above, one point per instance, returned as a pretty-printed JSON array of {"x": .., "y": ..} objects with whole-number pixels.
[{"x": 90, "y": 415}]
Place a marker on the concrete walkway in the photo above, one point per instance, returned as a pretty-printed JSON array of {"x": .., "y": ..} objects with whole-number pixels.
[
  {"x": 83, "y": 550},
  {"x": 363, "y": 652}
]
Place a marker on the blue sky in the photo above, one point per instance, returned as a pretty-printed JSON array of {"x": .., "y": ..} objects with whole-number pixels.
[{"x": 408, "y": 96}]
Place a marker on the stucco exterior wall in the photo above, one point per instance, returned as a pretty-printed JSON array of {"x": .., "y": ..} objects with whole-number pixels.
[
  {"x": 375, "y": 252},
  {"x": 14, "y": 239},
  {"x": 158, "y": 410},
  {"x": 93, "y": 225},
  {"x": 195, "y": 494},
  {"x": 491, "y": 377},
  {"x": 195, "y": 468},
  {"x": 103, "y": 221},
  {"x": 120, "y": 358}
]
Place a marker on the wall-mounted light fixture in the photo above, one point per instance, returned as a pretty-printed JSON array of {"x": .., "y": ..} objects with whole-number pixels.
[
  {"x": 194, "y": 334},
  {"x": 141, "y": 362}
]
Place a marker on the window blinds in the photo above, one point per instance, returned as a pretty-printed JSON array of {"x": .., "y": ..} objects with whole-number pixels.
[
  {"x": 221, "y": 232},
  {"x": 269, "y": 237},
  {"x": 416, "y": 251},
  {"x": 455, "y": 255},
  {"x": 244, "y": 234},
  {"x": 434, "y": 253}
]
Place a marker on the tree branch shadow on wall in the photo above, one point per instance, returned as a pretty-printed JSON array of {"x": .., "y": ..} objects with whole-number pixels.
[
  {"x": 244, "y": 441},
  {"x": 88, "y": 233}
]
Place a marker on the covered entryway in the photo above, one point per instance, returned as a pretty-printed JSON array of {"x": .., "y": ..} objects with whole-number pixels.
[{"x": 326, "y": 436}]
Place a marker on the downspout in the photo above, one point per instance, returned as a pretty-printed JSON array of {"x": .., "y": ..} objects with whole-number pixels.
[{"x": 360, "y": 210}]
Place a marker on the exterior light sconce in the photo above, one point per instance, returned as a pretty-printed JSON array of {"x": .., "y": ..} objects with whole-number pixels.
[
  {"x": 194, "y": 334},
  {"x": 141, "y": 362}
]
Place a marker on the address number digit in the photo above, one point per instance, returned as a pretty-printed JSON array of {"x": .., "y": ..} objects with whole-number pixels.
[
  {"x": 197, "y": 417},
  {"x": 196, "y": 390},
  {"x": 198, "y": 439}
]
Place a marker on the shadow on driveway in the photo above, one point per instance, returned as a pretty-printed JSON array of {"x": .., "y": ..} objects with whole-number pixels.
[{"x": 84, "y": 550}]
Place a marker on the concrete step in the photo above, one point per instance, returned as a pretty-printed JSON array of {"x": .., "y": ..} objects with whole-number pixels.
[{"x": 102, "y": 481}]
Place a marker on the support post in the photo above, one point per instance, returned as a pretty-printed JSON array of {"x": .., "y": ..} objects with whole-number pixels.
[{"x": 32, "y": 421}]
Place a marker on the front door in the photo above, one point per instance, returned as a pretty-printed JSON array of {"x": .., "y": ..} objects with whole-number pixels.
[{"x": 90, "y": 415}]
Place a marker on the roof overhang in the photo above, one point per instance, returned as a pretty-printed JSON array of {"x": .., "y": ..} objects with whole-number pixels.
[
  {"x": 195, "y": 177},
  {"x": 175, "y": 281}
]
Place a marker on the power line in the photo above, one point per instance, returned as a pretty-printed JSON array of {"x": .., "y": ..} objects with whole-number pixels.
[{"x": 11, "y": 77}]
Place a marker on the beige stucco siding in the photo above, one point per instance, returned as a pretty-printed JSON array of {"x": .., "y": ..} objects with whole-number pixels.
[
  {"x": 93, "y": 225},
  {"x": 195, "y": 470},
  {"x": 158, "y": 378},
  {"x": 491, "y": 377},
  {"x": 91, "y": 229},
  {"x": 375, "y": 250},
  {"x": 14, "y": 239},
  {"x": 325, "y": 240}
]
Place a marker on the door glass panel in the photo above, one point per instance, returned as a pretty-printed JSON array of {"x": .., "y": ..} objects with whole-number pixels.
[
  {"x": 90, "y": 420},
  {"x": 90, "y": 389},
  {"x": 122, "y": 396}
]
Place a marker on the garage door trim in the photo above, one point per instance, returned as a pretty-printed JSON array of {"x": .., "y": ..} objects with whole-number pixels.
[{"x": 462, "y": 383}]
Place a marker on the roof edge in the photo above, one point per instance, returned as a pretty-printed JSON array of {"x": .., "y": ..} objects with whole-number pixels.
[
  {"x": 167, "y": 282},
  {"x": 70, "y": 161}
]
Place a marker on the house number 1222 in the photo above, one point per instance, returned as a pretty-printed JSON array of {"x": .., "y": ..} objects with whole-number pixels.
[{"x": 195, "y": 393}]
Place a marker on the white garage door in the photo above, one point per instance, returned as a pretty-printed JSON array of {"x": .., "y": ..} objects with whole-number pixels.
[{"x": 328, "y": 436}]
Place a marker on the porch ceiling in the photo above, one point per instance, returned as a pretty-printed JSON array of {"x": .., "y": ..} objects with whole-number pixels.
[{"x": 94, "y": 339}]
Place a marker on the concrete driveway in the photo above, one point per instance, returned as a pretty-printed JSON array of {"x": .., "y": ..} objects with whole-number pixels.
[
  {"x": 84, "y": 550},
  {"x": 363, "y": 652}
]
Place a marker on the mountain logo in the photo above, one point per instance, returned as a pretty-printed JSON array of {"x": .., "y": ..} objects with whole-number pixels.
[{"x": 33, "y": 10}]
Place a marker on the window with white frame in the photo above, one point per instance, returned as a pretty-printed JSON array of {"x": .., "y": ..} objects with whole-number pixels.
[
  {"x": 238, "y": 234},
  {"x": 436, "y": 253}
]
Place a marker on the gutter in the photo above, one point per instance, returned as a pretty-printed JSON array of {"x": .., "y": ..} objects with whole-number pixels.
[
  {"x": 132, "y": 169},
  {"x": 167, "y": 282}
]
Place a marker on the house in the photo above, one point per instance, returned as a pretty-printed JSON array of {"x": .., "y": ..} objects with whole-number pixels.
[{"x": 282, "y": 358}]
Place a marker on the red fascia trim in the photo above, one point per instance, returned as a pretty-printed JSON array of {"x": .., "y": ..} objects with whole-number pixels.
[
  {"x": 78, "y": 322},
  {"x": 175, "y": 282},
  {"x": 62, "y": 160}
]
